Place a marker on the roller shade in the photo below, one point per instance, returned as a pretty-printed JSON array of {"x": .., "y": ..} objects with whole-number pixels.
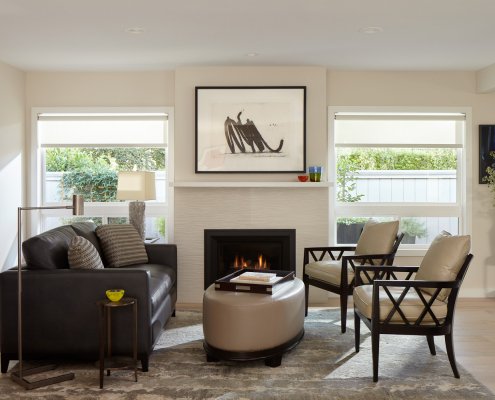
[{"x": 116, "y": 130}]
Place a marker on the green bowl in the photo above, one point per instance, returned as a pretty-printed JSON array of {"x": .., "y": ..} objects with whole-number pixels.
[{"x": 115, "y": 294}]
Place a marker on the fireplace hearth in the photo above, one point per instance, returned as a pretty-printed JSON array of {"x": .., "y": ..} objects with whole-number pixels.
[{"x": 227, "y": 250}]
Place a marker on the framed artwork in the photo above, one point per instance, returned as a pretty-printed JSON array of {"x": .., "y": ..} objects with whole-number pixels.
[
  {"x": 250, "y": 129},
  {"x": 487, "y": 145}
]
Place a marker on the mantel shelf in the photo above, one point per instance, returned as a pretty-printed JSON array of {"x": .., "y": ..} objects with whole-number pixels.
[{"x": 242, "y": 184}]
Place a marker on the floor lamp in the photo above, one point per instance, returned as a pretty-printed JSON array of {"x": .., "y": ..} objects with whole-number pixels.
[
  {"x": 137, "y": 186},
  {"x": 19, "y": 375}
]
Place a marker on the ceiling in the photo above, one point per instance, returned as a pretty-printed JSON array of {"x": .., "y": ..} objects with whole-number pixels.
[{"x": 90, "y": 35}]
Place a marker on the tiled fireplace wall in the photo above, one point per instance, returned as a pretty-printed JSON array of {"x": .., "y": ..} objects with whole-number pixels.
[{"x": 197, "y": 209}]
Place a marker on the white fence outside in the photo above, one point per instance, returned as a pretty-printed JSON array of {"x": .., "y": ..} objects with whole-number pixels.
[
  {"x": 406, "y": 186},
  {"x": 412, "y": 187}
]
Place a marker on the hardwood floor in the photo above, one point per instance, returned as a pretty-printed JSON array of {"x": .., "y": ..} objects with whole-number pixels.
[{"x": 474, "y": 339}]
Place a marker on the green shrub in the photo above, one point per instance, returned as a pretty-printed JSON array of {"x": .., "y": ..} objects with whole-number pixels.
[
  {"x": 96, "y": 185},
  {"x": 490, "y": 177},
  {"x": 391, "y": 159}
]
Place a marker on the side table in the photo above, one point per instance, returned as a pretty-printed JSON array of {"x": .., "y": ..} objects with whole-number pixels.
[{"x": 107, "y": 361}]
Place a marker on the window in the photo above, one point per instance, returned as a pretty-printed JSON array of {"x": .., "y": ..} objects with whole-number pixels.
[
  {"x": 82, "y": 152},
  {"x": 398, "y": 165}
]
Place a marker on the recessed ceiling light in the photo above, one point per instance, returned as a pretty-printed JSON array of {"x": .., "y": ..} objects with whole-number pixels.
[
  {"x": 371, "y": 30},
  {"x": 135, "y": 30},
  {"x": 252, "y": 54}
]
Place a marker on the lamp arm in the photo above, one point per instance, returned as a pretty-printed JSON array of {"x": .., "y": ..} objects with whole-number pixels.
[{"x": 47, "y": 208}]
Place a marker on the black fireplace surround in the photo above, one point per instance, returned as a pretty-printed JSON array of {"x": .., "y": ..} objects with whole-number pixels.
[{"x": 225, "y": 248}]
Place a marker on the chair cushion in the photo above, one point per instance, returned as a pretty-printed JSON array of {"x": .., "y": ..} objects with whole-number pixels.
[
  {"x": 48, "y": 250},
  {"x": 121, "y": 245},
  {"x": 83, "y": 255},
  {"x": 377, "y": 237},
  {"x": 411, "y": 305},
  {"x": 328, "y": 271},
  {"x": 443, "y": 260}
]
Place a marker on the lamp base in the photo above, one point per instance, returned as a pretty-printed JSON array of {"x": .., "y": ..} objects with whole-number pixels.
[
  {"x": 26, "y": 384},
  {"x": 136, "y": 216}
]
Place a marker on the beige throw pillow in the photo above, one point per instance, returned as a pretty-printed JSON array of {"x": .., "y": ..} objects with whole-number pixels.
[
  {"x": 122, "y": 245},
  {"x": 443, "y": 260},
  {"x": 83, "y": 255},
  {"x": 377, "y": 237}
]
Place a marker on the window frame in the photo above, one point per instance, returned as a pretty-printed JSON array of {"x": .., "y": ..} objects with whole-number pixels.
[
  {"x": 36, "y": 168},
  {"x": 461, "y": 207}
]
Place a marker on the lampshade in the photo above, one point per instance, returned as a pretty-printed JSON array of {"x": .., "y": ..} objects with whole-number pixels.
[{"x": 136, "y": 185}]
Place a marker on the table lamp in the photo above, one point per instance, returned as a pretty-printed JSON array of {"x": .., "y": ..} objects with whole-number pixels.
[
  {"x": 19, "y": 375},
  {"x": 137, "y": 186}
]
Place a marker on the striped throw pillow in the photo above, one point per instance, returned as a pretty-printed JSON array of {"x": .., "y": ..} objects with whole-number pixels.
[
  {"x": 83, "y": 255},
  {"x": 121, "y": 245}
]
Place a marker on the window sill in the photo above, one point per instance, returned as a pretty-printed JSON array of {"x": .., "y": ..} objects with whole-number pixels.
[{"x": 411, "y": 252}]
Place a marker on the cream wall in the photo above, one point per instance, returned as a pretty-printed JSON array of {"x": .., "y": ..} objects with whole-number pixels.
[
  {"x": 11, "y": 161},
  {"x": 346, "y": 88},
  {"x": 94, "y": 89}
]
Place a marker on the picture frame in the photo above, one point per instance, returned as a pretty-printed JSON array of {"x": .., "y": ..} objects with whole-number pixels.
[
  {"x": 250, "y": 129},
  {"x": 486, "y": 145}
]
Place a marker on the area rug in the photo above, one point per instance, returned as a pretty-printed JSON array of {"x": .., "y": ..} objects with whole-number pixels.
[{"x": 323, "y": 366}]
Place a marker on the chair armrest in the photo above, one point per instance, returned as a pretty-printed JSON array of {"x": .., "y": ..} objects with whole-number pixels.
[
  {"x": 407, "y": 285},
  {"x": 374, "y": 272},
  {"x": 323, "y": 251},
  {"x": 416, "y": 284},
  {"x": 356, "y": 260}
]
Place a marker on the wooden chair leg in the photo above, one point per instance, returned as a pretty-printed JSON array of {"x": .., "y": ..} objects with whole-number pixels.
[
  {"x": 450, "y": 352},
  {"x": 306, "y": 296},
  {"x": 431, "y": 344},
  {"x": 375, "y": 350},
  {"x": 343, "y": 312},
  {"x": 357, "y": 331}
]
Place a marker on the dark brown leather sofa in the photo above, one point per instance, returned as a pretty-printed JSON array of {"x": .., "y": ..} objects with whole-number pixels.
[{"x": 60, "y": 316}]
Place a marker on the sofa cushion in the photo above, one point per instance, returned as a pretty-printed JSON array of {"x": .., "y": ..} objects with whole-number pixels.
[
  {"x": 443, "y": 260},
  {"x": 48, "y": 250},
  {"x": 87, "y": 230},
  {"x": 83, "y": 255},
  {"x": 122, "y": 245},
  {"x": 377, "y": 237},
  {"x": 162, "y": 280}
]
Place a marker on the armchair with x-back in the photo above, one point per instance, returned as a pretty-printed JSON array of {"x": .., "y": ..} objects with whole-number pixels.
[
  {"x": 413, "y": 300},
  {"x": 332, "y": 268}
]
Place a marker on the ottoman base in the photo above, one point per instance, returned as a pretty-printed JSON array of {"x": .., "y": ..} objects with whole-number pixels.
[{"x": 273, "y": 356}]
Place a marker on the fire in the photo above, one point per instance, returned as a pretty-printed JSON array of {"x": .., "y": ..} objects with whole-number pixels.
[{"x": 261, "y": 263}]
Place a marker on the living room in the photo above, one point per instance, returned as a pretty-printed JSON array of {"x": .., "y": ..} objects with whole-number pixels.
[{"x": 199, "y": 205}]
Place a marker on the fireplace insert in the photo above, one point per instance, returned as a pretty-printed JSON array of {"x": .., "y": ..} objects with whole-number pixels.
[{"x": 227, "y": 250}]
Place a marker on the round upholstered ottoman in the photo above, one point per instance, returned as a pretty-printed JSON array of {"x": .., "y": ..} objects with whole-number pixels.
[{"x": 249, "y": 326}]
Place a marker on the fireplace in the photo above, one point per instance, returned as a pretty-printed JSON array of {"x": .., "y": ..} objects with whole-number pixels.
[{"x": 227, "y": 250}]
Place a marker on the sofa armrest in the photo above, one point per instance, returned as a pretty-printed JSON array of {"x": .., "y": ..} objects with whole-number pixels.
[{"x": 165, "y": 254}]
